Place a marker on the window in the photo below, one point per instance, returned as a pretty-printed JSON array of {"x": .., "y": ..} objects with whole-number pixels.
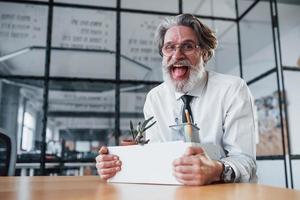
[{"x": 28, "y": 132}]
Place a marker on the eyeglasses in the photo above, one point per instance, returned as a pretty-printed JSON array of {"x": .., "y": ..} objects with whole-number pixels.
[{"x": 187, "y": 48}]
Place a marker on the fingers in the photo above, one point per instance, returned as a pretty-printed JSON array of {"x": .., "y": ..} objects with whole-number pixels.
[
  {"x": 188, "y": 160},
  {"x": 106, "y": 157},
  {"x": 107, "y": 165},
  {"x": 106, "y": 173},
  {"x": 107, "y": 169},
  {"x": 189, "y": 174},
  {"x": 183, "y": 176},
  {"x": 106, "y": 176},
  {"x": 190, "y": 182},
  {"x": 185, "y": 169},
  {"x": 182, "y": 161},
  {"x": 192, "y": 169},
  {"x": 194, "y": 151},
  {"x": 103, "y": 150}
]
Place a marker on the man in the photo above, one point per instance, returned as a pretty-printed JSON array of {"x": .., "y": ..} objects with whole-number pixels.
[{"x": 220, "y": 105}]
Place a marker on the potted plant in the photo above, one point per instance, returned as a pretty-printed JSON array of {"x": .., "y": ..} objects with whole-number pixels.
[{"x": 138, "y": 134}]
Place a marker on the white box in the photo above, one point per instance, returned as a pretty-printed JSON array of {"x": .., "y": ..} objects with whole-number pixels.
[{"x": 152, "y": 163}]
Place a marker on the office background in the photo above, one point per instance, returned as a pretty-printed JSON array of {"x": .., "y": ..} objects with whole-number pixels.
[{"x": 74, "y": 73}]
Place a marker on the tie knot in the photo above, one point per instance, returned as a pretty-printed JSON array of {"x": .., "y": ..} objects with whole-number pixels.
[{"x": 186, "y": 99}]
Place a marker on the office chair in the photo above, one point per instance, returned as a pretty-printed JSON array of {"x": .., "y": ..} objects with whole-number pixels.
[{"x": 7, "y": 161}]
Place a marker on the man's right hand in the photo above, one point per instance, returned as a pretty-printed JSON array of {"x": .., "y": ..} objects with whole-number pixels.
[{"x": 107, "y": 165}]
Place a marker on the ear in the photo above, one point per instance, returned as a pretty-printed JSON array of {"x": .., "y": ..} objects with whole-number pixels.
[{"x": 205, "y": 56}]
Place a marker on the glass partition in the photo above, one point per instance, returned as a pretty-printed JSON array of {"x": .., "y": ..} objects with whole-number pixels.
[
  {"x": 289, "y": 29},
  {"x": 154, "y": 5},
  {"x": 289, "y": 26},
  {"x": 21, "y": 116},
  {"x": 226, "y": 58},
  {"x": 267, "y": 104},
  {"x": 80, "y": 121},
  {"x": 257, "y": 41},
  {"x": 87, "y": 39},
  {"x": 243, "y": 5},
  {"x": 132, "y": 99},
  {"x": 292, "y": 82},
  {"x": 22, "y": 39},
  {"x": 266, "y": 173},
  {"x": 219, "y": 8},
  {"x": 296, "y": 173},
  {"x": 140, "y": 59},
  {"x": 108, "y": 3}
]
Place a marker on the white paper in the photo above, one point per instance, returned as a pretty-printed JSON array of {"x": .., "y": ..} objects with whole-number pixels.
[{"x": 152, "y": 163}]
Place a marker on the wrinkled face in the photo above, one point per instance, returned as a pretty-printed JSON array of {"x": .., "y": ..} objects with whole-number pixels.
[{"x": 180, "y": 70}]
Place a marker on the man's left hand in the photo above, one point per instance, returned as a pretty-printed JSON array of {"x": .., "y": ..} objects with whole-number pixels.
[{"x": 196, "y": 168}]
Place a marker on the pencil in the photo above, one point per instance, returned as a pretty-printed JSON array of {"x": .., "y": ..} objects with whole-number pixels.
[
  {"x": 189, "y": 125},
  {"x": 187, "y": 115}
]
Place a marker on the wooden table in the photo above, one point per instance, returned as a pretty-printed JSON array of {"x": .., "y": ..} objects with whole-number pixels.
[{"x": 92, "y": 188}]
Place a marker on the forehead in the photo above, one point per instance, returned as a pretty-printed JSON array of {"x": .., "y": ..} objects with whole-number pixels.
[{"x": 178, "y": 34}]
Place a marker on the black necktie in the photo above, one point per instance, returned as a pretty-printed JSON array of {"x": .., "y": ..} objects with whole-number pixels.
[{"x": 186, "y": 100}]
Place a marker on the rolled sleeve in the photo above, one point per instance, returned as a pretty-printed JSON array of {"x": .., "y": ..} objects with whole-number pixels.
[{"x": 239, "y": 134}]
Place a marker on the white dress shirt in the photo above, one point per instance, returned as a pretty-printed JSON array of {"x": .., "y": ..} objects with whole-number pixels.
[{"x": 222, "y": 108}]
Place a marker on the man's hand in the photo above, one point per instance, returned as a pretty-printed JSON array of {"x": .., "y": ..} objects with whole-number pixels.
[
  {"x": 196, "y": 168},
  {"x": 107, "y": 165}
]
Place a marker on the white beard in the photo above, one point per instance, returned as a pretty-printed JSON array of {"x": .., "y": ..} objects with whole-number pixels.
[{"x": 196, "y": 74}]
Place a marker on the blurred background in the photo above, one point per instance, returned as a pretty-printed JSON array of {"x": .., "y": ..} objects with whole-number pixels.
[{"x": 74, "y": 73}]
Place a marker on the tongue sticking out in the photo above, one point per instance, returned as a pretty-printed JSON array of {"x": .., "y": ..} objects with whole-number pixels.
[{"x": 179, "y": 73}]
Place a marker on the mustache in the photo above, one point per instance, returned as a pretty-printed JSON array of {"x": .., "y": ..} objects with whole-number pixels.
[{"x": 181, "y": 62}]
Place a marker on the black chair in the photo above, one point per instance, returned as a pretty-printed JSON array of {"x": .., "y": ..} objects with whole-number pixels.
[{"x": 5, "y": 154}]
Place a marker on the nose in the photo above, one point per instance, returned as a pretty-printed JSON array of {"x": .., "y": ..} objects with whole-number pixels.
[{"x": 178, "y": 54}]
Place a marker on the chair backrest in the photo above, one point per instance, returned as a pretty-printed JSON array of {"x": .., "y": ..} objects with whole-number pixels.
[{"x": 5, "y": 154}]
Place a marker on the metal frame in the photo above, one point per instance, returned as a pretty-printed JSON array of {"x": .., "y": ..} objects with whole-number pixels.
[
  {"x": 276, "y": 28},
  {"x": 239, "y": 38},
  {"x": 280, "y": 98}
]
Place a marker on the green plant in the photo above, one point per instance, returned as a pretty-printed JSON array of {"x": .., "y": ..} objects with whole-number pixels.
[{"x": 138, "y": 134}]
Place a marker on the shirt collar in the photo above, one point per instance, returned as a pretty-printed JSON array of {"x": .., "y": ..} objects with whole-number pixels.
[{"x": 197, "y": 90}]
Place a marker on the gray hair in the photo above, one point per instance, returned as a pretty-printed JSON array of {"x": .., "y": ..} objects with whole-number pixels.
[{"x": 206, "y": 37}]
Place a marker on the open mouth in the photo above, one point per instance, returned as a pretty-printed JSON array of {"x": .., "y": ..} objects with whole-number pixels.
[{"x": 179, "y": 72}]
